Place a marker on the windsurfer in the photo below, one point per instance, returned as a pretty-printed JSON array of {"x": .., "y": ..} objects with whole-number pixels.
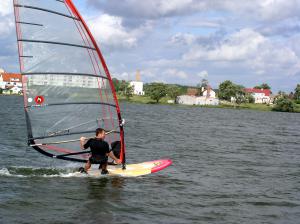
[{"x": 99, "y": 150}]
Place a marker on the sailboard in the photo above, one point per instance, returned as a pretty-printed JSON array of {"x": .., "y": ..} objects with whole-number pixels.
[{"x": 67, "y": 88}]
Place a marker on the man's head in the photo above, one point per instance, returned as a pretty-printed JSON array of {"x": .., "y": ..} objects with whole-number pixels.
[{"x": 100, "y": 133}]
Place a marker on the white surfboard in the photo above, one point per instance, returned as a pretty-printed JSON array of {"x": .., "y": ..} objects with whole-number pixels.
[{"x": 132, "y": 170}]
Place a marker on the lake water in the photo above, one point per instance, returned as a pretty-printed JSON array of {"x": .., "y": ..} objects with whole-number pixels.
[{"x": 229, "y": 166}]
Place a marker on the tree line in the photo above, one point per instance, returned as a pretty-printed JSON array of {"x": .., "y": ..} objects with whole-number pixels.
[
  {"x": 227, "y": 91},
  {"x": 156, "y": 90},
  {"x": 283, "y": 102}
]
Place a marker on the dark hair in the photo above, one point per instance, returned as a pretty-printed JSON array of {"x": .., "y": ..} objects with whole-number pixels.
[{"x": 99, "y": 130}]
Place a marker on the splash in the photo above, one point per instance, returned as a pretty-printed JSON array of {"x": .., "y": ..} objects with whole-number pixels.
[{"x": 39, "y": 172}]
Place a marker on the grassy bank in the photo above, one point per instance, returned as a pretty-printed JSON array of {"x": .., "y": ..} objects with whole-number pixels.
[
  {"x": 249, "y": 106},
  {"x": 143, "y": 99}
]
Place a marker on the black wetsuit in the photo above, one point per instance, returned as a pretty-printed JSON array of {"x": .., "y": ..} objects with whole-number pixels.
[
  {"x": 116, "y": 148},
  {"x": 99, "y": 149}
]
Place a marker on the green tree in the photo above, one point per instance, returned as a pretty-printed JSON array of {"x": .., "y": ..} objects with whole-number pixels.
[
  {"x": 1, "y": 90},
  {"x": 129, "y": 91},
  {"x": 227, "y": 89},
  {"x": 122, "y": 87},
  {"x": 281, "y": 94},
  {"x": 173, "y": 91},
  {"x": 156, "y": 91},
  {"x": 116, "y": 83},
  {"x": 249, "y": 98},
  {"x": 262, "y": 86},
  {"x": 284, "y": 104},
  {"x": 239, "y": 94},
  {"x": 125, "y": 89},
  {"x": 297, "y": 92}
]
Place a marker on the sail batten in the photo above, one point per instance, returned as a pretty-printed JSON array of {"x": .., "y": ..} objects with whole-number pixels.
[
  {"x": 45, "y": 10},
  {"x": 71, "y": 103},
  {"x": 68, "y": 134},
  {"x": 58, "y": 43},
  {"x": 64, "y": 73},
  {"x": 27, "y": 23},
  {"x": 25, "y": 56}
]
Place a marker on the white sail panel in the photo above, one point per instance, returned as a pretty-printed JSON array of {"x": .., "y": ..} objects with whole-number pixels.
[{"x": 61, "y": 65}]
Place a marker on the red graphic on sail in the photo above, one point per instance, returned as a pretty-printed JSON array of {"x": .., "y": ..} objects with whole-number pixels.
[{"x": 39, "y": 100}]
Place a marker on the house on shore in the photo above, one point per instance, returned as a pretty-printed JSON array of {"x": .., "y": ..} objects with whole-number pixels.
[
  {"x": 138, "y": 85},
  {"x": 260, "y": 95},
  {"x": 208, "y": 98},
  {"x": 10, "y": 83}
]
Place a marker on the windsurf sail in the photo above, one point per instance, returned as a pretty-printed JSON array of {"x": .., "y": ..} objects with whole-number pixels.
[{"x": 67, "y": 88}]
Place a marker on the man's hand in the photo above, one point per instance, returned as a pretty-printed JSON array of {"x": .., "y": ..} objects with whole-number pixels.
[
  {"x": 118, "y": 161},
  {"x": 82, "y": 139},
  {"x": 82, "y": 142}
]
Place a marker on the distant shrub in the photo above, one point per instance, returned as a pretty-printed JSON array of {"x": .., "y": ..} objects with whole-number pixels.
[
  {"x": 284, "y": 105},
  {"x": 249, "y": 98}
]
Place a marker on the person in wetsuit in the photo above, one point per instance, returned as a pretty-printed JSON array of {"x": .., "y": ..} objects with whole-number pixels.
[{"x": 99, "y": 151}]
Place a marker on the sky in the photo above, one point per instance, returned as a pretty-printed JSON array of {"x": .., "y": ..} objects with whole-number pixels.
[{"x": 249, "y": 42}]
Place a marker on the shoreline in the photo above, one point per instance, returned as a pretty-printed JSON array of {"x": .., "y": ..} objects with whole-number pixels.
[
  {"x": 11, "y": 95},
  {"x": 164, "y": 101},
  {"x": 243, "y": 106}
]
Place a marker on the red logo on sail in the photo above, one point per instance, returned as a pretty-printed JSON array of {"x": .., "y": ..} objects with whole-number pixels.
[{"x": 39, "y": 100}]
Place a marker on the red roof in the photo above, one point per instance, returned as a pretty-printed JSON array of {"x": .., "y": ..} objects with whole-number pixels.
[
  {"x": 267, "y": 92},
  {"x": 11, "y": 77}
]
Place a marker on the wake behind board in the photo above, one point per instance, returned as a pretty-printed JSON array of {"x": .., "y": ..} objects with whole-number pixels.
[{"x": 132, "y": 170}]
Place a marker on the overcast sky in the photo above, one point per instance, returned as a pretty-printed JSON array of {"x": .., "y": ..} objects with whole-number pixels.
[{"x": 182, "y": 41}]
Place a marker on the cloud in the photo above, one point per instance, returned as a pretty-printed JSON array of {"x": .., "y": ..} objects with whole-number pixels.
[
  {"x": 238, "y": 46},
  {"x": 174, "y": 73},
  {"x": 268, "y": 10},
  {"x": 203, "y": 74},
  {"x": 6, "y": 7},
  {"x": 147, "y": 9},
  {"x": 285, "y": 28},
  {"x": 183, "y": 39},
  {"x": 245, "y": 50},
  {"x": 121, "y": 76},
  {"x": 109, "y": 30},
  {"x": 7, "y": 26},
  {"x": 6, "y": 18},
  {"x": 278, "y": 9},
  {"x": 188, "y": 39},
  {"x": 203, "y": 23},
  {"x": 250, "y": 49}
]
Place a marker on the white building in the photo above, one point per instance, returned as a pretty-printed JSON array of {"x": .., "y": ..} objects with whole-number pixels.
[
  {"x": 10, "y": 83},
  {"x": 208, "y": 98},
  {"x": 260, "y": 95},
  {"x": 137, "y": 87},
  {"x": 69, "y": 81},
  {"x": 2, "y": 83},
  {"x": 13, "y": 90},
  {"x": 209, "y": 93},
  {"x": 203, "y": 100},
  {"x": 194, "y": 100},
  {"x": 186, "y": 100}
]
